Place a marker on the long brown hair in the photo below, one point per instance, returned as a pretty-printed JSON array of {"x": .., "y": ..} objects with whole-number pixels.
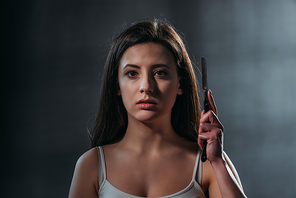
[{"x": 111, "y": 121}]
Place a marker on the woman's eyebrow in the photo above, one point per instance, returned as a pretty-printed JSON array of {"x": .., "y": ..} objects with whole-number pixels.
[
  {"x": 154, "y": 66},
  {"x": 130, "y": 65},
  {"x": 161, "y": 65}
]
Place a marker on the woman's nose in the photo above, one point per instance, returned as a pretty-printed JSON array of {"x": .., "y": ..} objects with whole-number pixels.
[{"x": 146, "y": 85}]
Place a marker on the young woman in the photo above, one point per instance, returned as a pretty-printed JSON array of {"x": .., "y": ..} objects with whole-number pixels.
[{"x": 149, "y": 130}]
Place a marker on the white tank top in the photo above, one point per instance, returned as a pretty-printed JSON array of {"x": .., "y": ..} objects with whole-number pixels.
[{"x": 107, "y": 190}]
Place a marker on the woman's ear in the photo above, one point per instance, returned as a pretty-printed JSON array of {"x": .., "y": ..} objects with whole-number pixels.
[
  {"x": 118, "y": 90},
  {"x": 180, "y": 91}
]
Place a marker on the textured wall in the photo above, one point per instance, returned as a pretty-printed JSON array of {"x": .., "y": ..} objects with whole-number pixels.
[{"x": 52, "y": 71}]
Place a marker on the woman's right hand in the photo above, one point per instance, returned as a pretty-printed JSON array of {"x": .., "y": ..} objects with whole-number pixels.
[{"x": 211, "y": 130}]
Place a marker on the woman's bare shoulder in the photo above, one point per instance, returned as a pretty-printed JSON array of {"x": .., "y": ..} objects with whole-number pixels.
[
  {"x": 87, "y": 164},
  {"x": 88, "y": 159},
  {"x": 85, "y": 178}
]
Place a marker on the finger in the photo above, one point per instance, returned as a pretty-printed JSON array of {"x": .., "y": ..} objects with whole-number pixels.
[
  {"x": 205, "y": 127},
  {"x": 200, "y": 140},
  {"x": 207, "y": 130},
  {"x": 211, "y": 137},
  {"x": 211, "y": 118},
  {"x": 212, "y": 105},
  {"x": 203, "y": 112},
  {"x": 209, "y": 133}
]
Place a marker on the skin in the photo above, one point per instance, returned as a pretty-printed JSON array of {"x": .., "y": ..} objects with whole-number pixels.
[{"x": 151, "y": 156}]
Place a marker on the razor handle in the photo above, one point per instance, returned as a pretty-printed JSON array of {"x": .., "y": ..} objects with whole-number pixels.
[{"x": 206, "y": 108}]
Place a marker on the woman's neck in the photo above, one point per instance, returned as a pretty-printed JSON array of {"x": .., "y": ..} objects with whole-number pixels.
[{"x": 150, "y": 136}]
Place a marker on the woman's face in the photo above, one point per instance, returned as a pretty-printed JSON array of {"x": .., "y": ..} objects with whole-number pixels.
[{"x": 148, "y": 81}]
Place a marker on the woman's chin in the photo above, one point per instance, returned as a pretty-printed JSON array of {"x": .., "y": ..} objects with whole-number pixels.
[{"x": 146, "y": 116}]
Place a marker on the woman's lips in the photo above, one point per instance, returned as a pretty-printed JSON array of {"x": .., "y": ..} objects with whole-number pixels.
[{"x": 146, "y": 104}]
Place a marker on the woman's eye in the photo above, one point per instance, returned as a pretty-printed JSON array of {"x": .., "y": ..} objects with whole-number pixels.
[
  {"x": 160, "y": 73},
  {"x": 131, "y": 73}
]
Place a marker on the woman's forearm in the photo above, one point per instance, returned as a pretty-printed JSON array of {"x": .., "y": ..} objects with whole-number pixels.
[{"x": 228, "y": 187}]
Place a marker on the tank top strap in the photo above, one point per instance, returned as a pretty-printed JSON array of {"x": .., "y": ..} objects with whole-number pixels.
[
  {"x": 197, "y": 172},
  {"x": 102, "y": 166}
]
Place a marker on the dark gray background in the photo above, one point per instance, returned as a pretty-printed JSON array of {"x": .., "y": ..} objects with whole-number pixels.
[{"x": 53, "y": 57}]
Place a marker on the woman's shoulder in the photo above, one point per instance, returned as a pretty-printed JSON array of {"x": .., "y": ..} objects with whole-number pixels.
[
  {"x": 85, "y": 178},
  {"x": 89, "y": 158},
  {"x": 88, "y": 162}
]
